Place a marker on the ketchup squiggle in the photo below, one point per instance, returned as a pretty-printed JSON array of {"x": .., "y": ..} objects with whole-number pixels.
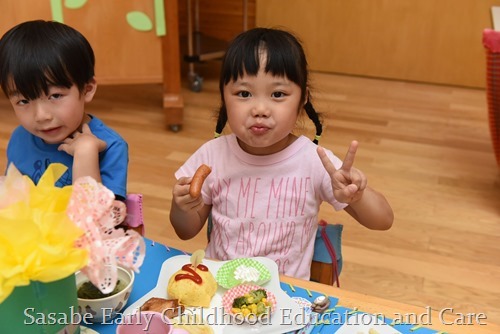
[{"x": 192, "y": 275}]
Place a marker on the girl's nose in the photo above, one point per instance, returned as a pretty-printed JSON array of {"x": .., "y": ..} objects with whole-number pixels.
[{"x": 260, "y": 110}]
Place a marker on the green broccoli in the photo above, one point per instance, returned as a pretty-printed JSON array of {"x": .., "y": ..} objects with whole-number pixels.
[
  {"x": 258, "y": 294},
  {"x": 239, "y": 302},
  {"x": 262, "y": 308}
]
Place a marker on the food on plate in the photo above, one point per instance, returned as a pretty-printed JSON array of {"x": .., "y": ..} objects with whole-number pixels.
[
  {"x": 246, "y": 274},
  {"x": 249, "y": 302},
  {"x": 193, "y": 324},
  {"x": 252, "y": 303},
  {"x": 193, "y": 284},
  {"x": 170, "y": 307},
  {"x": 197, "y": 182},
  {"x": 241, "y": 271}
]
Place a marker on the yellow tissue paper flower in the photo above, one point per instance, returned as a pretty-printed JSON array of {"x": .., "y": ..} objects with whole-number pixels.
[{"x": 37, "y": 239}]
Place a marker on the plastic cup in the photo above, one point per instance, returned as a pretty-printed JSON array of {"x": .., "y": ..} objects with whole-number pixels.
[{"x": 147, "y": 322}]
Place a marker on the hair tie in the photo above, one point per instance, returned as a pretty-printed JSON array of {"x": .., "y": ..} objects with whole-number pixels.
[
  {"x": 317, "y": 137},
  {"x": 216, "y": 135}
]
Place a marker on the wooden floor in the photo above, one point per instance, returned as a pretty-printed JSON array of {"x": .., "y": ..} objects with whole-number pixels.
[{"x": 426, "y": 147}]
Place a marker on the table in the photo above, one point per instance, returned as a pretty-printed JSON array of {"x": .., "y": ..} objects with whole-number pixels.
[
  {"x": 343, "y": 301},
  {"x": 391, "y": 309}
]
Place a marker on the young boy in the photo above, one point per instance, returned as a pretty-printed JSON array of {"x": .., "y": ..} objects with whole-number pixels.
[{"x": 47, "y": 73}]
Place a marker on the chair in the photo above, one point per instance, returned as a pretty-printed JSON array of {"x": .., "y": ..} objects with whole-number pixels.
[
  {"x": 322, "y": 273},
  {"x": 134, "y": 218},
  {"x": 491, "y": 42},
  {"x": 327, "y": 258}
]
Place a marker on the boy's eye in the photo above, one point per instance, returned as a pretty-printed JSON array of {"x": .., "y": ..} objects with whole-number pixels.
[
  {"x": 23, "y": 102},
  {"x": 243, "y": 93},
  {"x": 55, "y": 96}
]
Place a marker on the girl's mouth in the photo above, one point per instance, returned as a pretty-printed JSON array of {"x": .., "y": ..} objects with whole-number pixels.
[{"x": 259, "y": 129}]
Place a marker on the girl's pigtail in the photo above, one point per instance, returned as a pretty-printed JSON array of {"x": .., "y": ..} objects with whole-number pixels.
[
  {"x": 221, "y": 122},
  {"x": 314, "y": 116}
]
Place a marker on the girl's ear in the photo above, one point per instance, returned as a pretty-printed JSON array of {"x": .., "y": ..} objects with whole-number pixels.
[
  {"x": 89, "y": 90},
  {"x": 307, "y": 96}
]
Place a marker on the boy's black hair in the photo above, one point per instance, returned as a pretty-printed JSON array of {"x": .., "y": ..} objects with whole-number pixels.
[
  {"x": 285, "y": 57},
  {"x": 37, "y": 54}
]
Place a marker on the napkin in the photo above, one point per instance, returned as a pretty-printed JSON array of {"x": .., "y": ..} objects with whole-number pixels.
[
  {"x": 37, "y": 238},
  {"x": 48, "y": 233}
]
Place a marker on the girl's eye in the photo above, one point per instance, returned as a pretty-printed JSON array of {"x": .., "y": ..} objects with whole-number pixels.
[
  {"x": 23, "y": 102},
  {"x": 244, "y": 94},
  {"x": 278, "y": 95}
]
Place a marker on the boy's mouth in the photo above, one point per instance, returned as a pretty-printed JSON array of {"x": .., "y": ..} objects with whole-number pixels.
[{"x": 50, "y": 131}]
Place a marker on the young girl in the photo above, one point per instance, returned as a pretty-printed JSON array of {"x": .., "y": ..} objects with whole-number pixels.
[
  {"x": 47, "y": 72},
  {"x": 267, "y": 184}
]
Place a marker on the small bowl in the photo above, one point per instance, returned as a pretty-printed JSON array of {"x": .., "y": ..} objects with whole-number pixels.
[{"x": 98, "y": 310}]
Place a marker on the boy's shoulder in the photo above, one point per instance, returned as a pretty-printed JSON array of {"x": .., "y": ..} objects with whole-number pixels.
[
  {"x": 20, "y": 130},
  {"x": 20, "y": 134},
  {"x": 103, "y": 131}
]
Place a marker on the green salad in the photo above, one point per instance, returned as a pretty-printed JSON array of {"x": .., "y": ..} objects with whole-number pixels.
[{"x": 89, "y": 291}]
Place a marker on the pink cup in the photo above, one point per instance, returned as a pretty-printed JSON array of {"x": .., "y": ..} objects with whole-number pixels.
[{"x": 147, "y": 322}]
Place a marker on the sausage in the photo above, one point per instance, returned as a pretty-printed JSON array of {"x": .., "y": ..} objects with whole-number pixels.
[{"x": 197, "y": 182}]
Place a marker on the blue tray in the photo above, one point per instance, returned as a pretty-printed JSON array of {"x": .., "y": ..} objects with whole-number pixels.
[{"x": 157, "y": 253}]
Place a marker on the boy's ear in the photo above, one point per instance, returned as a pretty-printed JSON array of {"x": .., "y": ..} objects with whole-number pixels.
[{"x": 89, "y": 90}]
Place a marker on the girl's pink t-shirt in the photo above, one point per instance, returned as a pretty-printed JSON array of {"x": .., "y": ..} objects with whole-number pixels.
[{"x": 264, "y": 205}]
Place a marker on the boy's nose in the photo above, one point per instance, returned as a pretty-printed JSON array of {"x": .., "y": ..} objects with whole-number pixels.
[{"x": 42, "y": 114}]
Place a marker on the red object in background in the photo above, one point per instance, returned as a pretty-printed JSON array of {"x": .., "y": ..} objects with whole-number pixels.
[{"x": 491, "y": 41}]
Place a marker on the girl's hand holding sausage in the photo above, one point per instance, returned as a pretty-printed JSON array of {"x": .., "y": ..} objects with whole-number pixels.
[
  {"x": 348, "y": 183},
  {"x": 182, "y": 197},
  {"x": 187, "y": 191},
  {"x": 188, "y": 208}
]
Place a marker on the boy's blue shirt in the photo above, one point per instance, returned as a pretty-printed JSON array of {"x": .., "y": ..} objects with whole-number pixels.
[{"x": 31, "y": 156}]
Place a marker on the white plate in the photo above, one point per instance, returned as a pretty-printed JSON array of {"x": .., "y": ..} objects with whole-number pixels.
[
  {"x": 289, "y": 315},
  {"x": 86, "y": 330},
  {"x": 361, "y": 323}
]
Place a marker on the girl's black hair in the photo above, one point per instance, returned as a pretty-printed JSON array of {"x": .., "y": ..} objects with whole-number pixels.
[
  {"x": 37, "y": 54},
  {"x": 285, "y": 57}
]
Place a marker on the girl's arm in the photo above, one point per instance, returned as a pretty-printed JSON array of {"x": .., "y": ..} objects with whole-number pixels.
[
  {"x": 372, "y": 210},
  {"x": 187, "y": 214},
  {"x": 367, "y": 206}
]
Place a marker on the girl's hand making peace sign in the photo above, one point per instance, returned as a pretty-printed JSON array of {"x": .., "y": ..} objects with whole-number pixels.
[
  {"x": 367, "y": 206},
  {"x": 348, "y": 183}
]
